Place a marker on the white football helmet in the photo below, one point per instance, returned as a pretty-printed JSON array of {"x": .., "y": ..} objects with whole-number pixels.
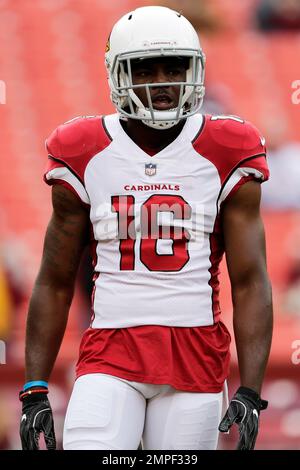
[{"x": 151, "y": 32}]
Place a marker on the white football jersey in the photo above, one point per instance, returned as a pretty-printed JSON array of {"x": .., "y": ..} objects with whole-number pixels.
[{"x": 156, "y": 219}]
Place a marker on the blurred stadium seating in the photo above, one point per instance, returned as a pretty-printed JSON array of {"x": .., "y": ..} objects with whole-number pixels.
[{"x": 52, "y": 63}]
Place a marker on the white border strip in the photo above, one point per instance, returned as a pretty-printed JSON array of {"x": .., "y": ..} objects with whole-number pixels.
[
  {"x": 240, "y": 173},
  {"x": 63, "y": 173}
]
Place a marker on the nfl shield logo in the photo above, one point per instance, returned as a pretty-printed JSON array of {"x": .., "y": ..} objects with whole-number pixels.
[{"x": 150, "y": 169}]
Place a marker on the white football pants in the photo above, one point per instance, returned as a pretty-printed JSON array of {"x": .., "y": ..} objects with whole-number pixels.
[{"x": 107, "y": 413}]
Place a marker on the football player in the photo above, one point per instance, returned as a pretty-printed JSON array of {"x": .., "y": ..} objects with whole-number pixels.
[{"x": 159, "y": 192}]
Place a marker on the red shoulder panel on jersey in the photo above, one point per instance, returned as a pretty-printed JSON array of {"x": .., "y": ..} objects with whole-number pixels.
[
  {"x": 229, "y": 142},
  {"x": 76, "y": 142}
]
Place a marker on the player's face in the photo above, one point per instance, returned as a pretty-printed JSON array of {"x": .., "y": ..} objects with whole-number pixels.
[{"x": 159, "y": 71}]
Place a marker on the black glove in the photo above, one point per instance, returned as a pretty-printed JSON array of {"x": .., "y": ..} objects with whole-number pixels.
[
  {"x": 244, "y": 410},
  {"x": 36, "y": 418}
]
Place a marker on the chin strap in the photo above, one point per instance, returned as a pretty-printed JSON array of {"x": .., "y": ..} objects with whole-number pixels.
[{"x": 159, "y": 124}]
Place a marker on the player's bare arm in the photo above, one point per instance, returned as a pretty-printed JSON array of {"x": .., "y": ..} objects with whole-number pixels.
[
  {"x": 48, "y": 313},
  {"x": 251, "y": 290},
  {"x": 252, "y": 308},
  {"x": 53, "y": 291}
]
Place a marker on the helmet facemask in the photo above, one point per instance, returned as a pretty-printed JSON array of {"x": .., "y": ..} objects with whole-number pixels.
[{"x": 131, "y": 107}]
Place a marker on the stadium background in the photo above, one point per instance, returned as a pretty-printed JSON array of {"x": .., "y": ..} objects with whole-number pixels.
[{"x": 51, "y": 68}]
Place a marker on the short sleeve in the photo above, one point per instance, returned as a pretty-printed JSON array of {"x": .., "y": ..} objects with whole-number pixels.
[
  {"x": 57, "y": 173},
  {"x": 252, "y": 169},
  {"x": 236, "y": 149}
]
